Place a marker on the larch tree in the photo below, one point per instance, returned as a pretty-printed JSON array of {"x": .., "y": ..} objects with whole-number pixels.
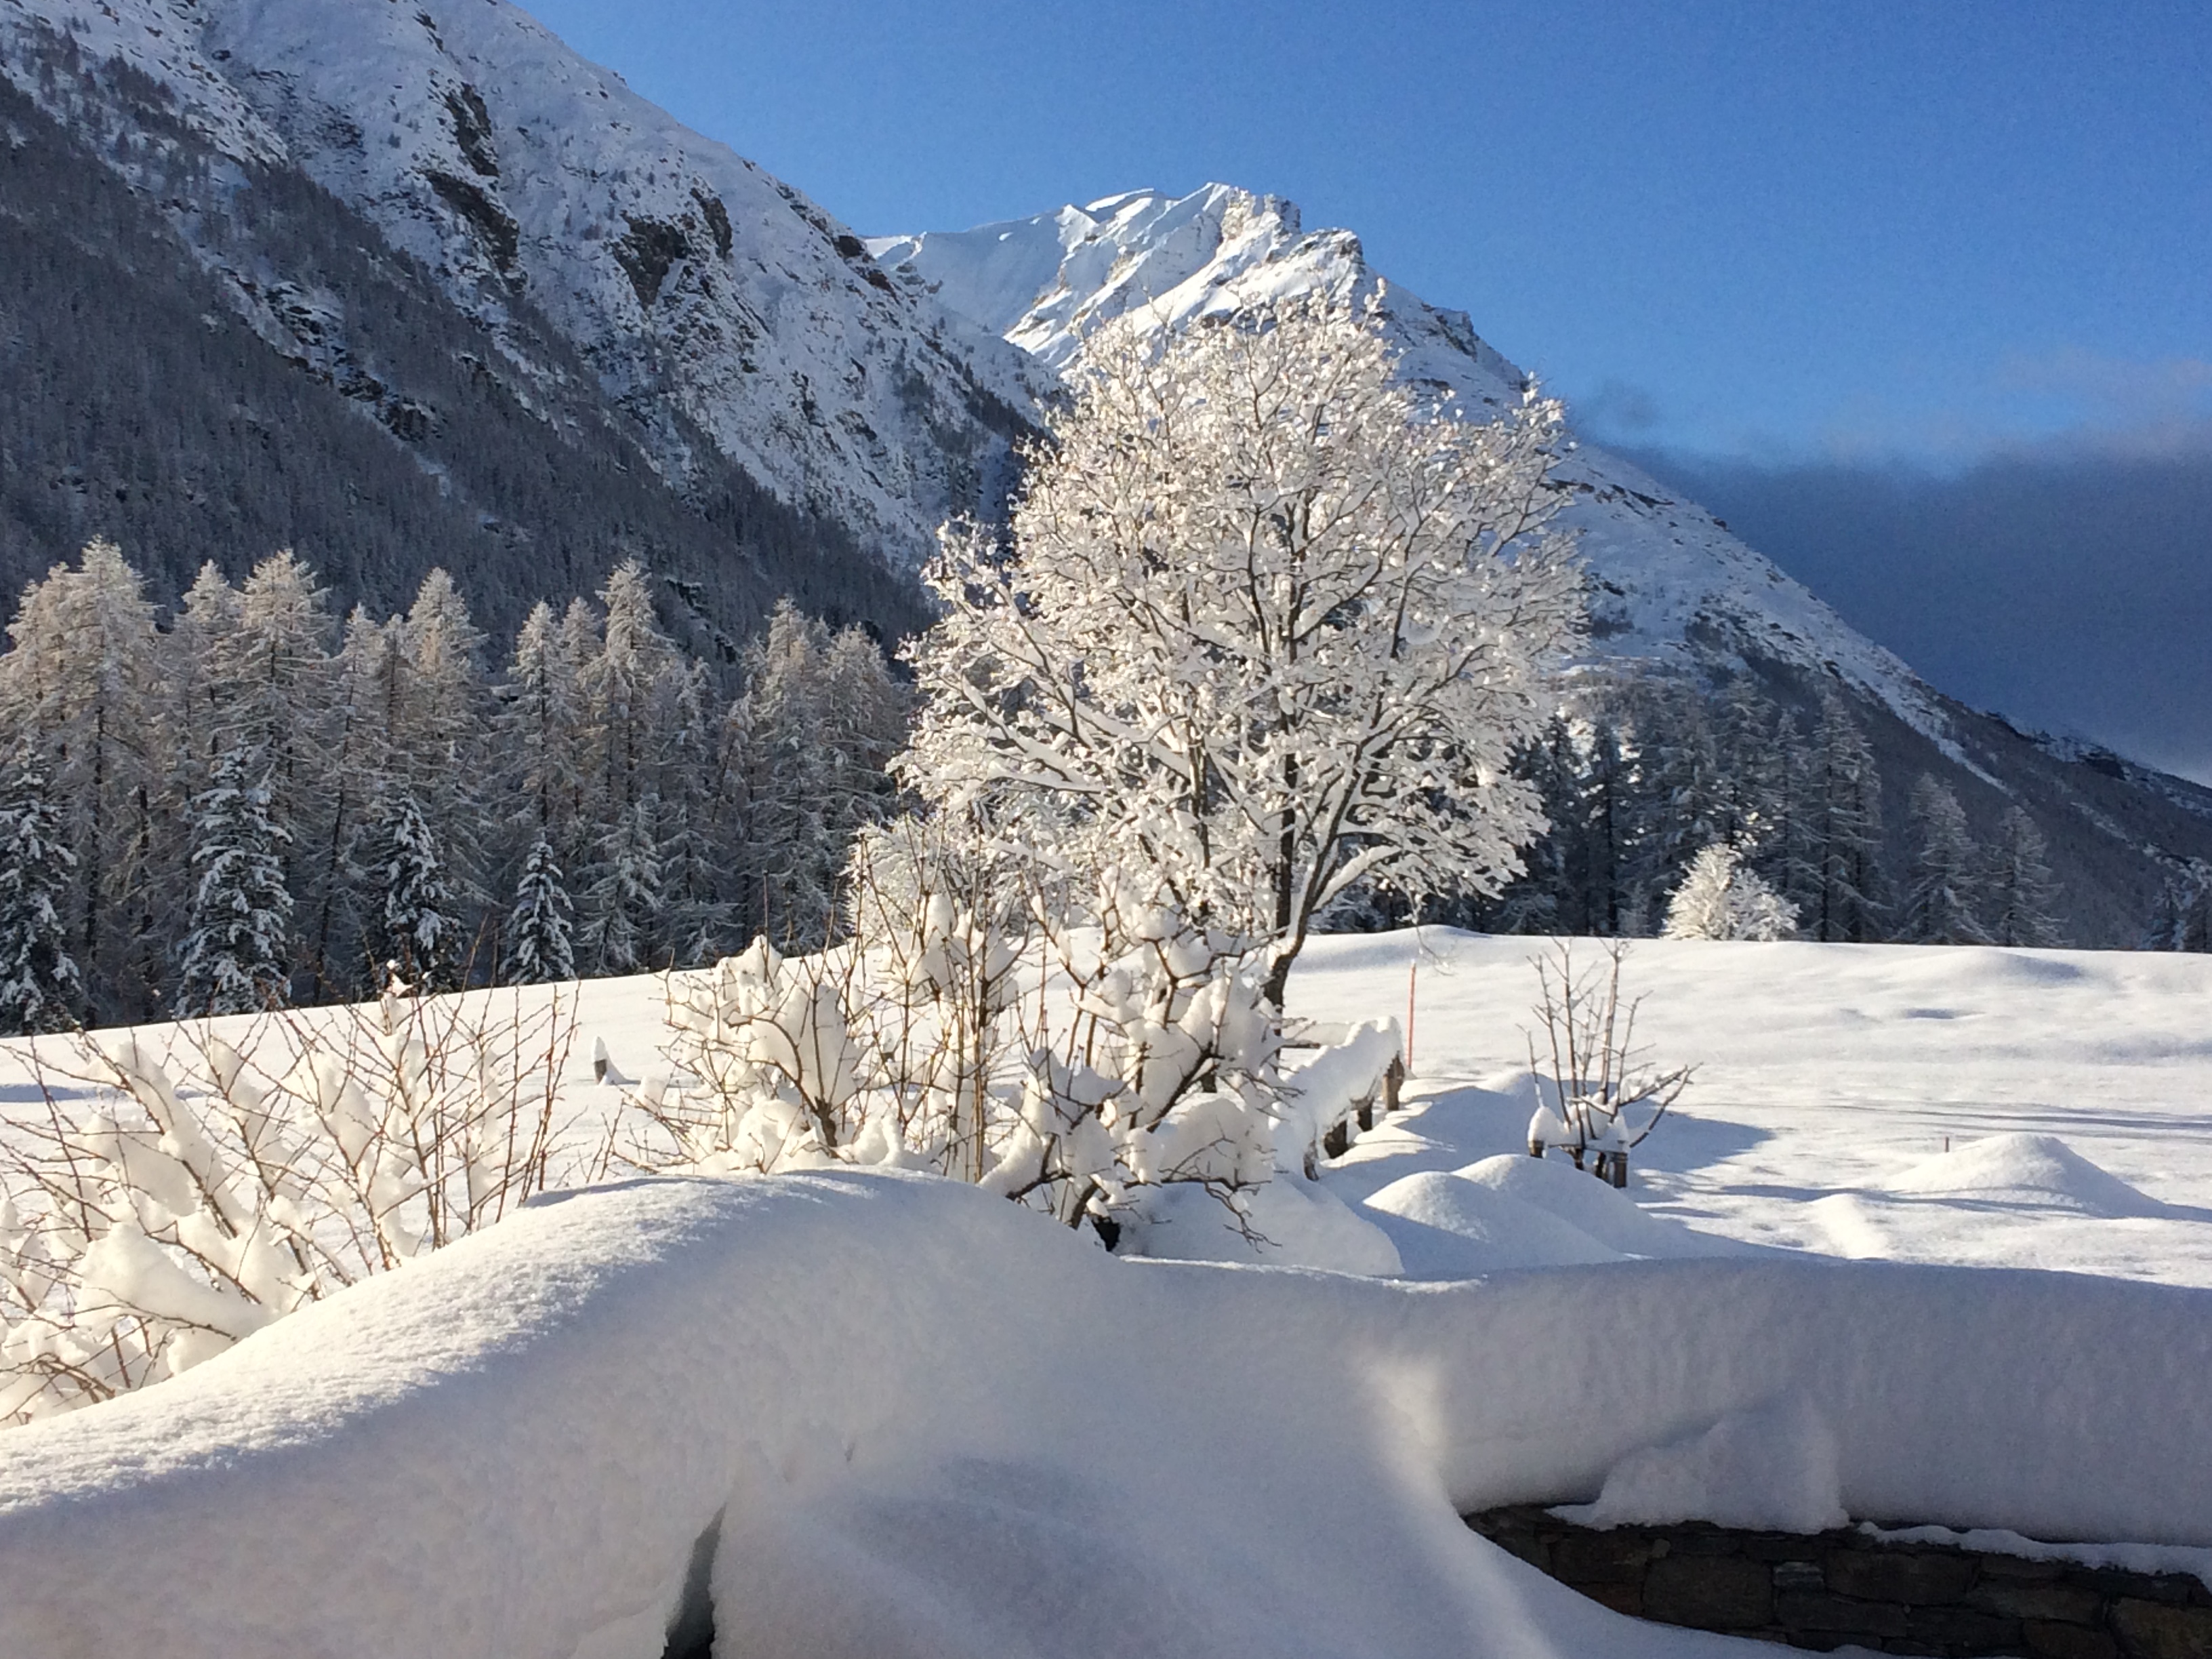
[
  {"x": 441, "y": 726},
  {"x": 2017, "y": 890},
  {"x": 1841, "y": 814},
  {"x": 624, "y": 903},
  {"x": 1941, "y": 900},
  {"x": 81, "y": 686},
  {"x": 1269, "y": 625}
]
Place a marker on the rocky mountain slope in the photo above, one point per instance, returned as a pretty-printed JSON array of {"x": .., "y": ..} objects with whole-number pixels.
[
  {"x": 1671, "y": 588},
  {"x": 617, "y": 271}
]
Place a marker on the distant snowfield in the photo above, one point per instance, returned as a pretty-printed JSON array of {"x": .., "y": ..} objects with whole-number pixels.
[
  {"x": 1829, "y": 1078},
  {"x": 933, "y": 1424}
]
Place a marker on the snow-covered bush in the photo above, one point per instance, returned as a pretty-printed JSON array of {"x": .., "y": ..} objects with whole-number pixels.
[
  {"x": 1721, "y": 897},
  {"x": 1597, "y": 1091},
  {"x": 156, "y": 1208},
  {"x": 1269, "y": 626},
  {"x": 1166, "y": 1070},
  {"x": 1065, "y": 1058}
]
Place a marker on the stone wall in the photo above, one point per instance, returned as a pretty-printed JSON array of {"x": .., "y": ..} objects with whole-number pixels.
[{"x": 1828, "y": 1589}]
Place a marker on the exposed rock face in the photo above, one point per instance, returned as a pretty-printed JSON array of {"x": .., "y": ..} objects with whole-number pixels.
[{"x": 1850, "y": 1587}]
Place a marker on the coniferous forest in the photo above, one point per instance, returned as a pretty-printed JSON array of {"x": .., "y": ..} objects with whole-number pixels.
[{"x": 253, "y": 802}]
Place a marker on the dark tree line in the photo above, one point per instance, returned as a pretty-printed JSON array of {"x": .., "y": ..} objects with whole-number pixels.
[
  {"x": 245, "y": 803},
  {"x": 1654, "y": 770}
]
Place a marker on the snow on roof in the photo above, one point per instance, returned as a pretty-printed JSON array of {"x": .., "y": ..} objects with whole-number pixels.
[{"x": 933, "y": 1423}]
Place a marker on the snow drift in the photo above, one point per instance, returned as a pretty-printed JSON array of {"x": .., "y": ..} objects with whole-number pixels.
[{"x": 931, "y": 1423}]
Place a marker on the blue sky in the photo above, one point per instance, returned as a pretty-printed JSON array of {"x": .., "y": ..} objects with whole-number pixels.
[{"x": 1780, "y": 231}]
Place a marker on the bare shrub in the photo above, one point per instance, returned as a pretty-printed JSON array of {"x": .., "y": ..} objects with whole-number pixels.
[
  {"x": 1598, "y": 1092},
  {"x": 157, "y": 1205}
]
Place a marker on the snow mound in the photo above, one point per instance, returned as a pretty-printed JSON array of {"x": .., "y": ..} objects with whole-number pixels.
[
  {"x": 1288, "y": 1223},
  {"x": 1773, "y": 1469},
  {"x": 1450, "y": 1226},
  {"x": 1511, "y": 1212},
  {"x": 2025, "y": 1169},
  {"x": 1604, "y": 1213},
  {"x": 927, "y": 1422}
]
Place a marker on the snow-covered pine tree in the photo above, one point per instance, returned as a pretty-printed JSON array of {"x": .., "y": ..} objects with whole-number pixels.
[
  {"x": 625, "y": 686},
  {"x": 1841, "y": 817},
  {"x": 540, "y": 931},
  {"x": 2017, "y": 890},
  {"x": 1682, "y": 798},
  {"x": 236, "y": 957},
  {"x": 1542, "y": 899},
  {"x": 410, "y": 923},
  {"x": 40, "y": 989},
  {"x": 538, "y": 731},
  {"x": 199, "y": 659},
  {"x": 342, "y": 954},
  {"x": 1268, "y": 626},
  {"x": 779, "y": 743},
  {"x": 284, "y": 681},
  {"x": 692, "y": 788},
  {"x": 1722, "y": 898},
  {"x": 1752, "y": 740},
  {"x": 2182, "y": 918},
  {"x": 1939, "y": 904},
  {"x": 1614, "y": 902},
  {"x": 623, "y": 907},
  {"x": 865, "y": 719}
]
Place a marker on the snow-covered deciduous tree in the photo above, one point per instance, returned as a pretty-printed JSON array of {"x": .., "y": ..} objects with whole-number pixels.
[
  {"x": 1721, "y": 897},
  {"x": 540, "y": 931},
  {"x": 925, "y": 1042},
  {"x": 1598, "y": 1092},
  {"x": 40, "y": 989},
  {"x": 1268, "y": 627},
  {"x": 236, "y": 957},
  {"x": 1940, "y": 903},
  {"x": 2017, "y": 890}
]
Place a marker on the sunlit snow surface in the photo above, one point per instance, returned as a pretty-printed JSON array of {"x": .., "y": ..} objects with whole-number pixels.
[
  {"x": 933, "y": 1424},
  {"x": 1830, "y": 1079}
]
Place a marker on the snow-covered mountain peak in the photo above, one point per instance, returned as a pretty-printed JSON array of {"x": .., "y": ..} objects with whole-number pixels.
[{"x": 1668, "y": 579}]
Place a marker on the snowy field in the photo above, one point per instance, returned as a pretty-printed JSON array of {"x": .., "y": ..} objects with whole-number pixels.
[
  {"x": 889, "y": 1415},
  {"x": 1831, "y": 1079}
]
